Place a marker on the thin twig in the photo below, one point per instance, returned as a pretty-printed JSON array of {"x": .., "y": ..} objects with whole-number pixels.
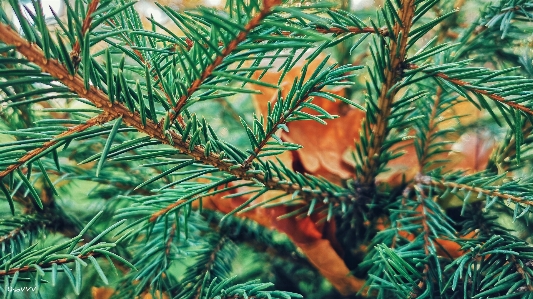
[
  {"x": 379, "y": 130},
  {"x": 209, "y": 264},
  {"x": 355, "y": 30},
  {"x": 97, "y": 120},
  {"x": 496, "y": 193},
  {"x": 26, "y": 226},
  {"x": 76, "y": 49},
  {"x": 282, "y": 120},
  {"x": 429, "y": 133},
  {"x": 466, "y": 85},
  {"x": 46, "y": 265},
  {"x": 232, "y": 45}
]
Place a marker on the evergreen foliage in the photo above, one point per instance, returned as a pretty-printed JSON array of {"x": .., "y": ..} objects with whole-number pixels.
[{"x": 109, "y": 147}]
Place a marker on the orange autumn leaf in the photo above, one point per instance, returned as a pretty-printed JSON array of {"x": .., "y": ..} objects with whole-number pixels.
[
  {"x": 107, "y": 293},
  {"x": 472, "y": 151},
  {"x": 313, "y": 237}
]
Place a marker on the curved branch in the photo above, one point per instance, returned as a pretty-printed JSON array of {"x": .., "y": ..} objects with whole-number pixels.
[
  {"x": 24, "y": 227},
  {"x": 525, "y": 274}
]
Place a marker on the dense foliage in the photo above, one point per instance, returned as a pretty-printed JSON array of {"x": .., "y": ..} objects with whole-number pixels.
[{"x": 266, "y": 149}]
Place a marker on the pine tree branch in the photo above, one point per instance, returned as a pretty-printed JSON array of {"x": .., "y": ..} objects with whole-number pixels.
[
  {"x": 275, "y": 127},
  {"x": 427, "y": 242},
  {"x": 231, "y": 46},
  {"x": 492, "y": 193},
  {"x": 170, "y": 238},
  {"x": 24, "y": 227},
  {"x": 97, "y": 120},
  {"x": 47, "y": 264},
  {"x": 116, "y": 109},
  {"x": 147, "y": 64},
  {"x": 397, "y": 56},
  {"x": 75, "y": 53},
  {"x": 384, "y": 31},
  {"x": 468, "y": 86},
  {"x": 210, "y": 262},
  {"x": 429, "y": 133}
]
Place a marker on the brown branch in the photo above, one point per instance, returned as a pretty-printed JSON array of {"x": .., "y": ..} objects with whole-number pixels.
[
  {"x": 397, "y": 56},
  {"x": 427, "y": 244},
  {"x": 166, "y": 209},
  {"x": 384, "y": 31},
  {"x": 466, "y": 85},
  {"x": 170, "y": 238},
  {"x": 15, "y": 232},
  {"x": 232, "y": 45},
  {"x": 513, "y": 198},
  {"x": 46, "y": 265},
  {"x": 75, "y": 53},
  {"x": 133, "y": 119},
  {"x": 97, "y": 120}
]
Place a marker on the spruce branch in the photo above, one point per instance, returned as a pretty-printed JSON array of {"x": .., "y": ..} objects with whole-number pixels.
[
  {"x": 501, "y": 157},
  {"x": 481, "y": 190},
  {"x": 97, "y": 120},
  {"x": 31, "y": 223},
  {"x": 76, "y": 48},
  {"x": 383, "y": 31},
  {"x": 426, "y": 231},
  {"x": 432, "y": 125},
  {"x": 468, "y": 86},
  {"x": 398, "y": 49},
  {"x": 129, "y": 42},
  {"x": 231, "y": 46},
  {"x": 276, "y": 126},
  {"x": 209, "y": 264},
  {"x": 170, "y": 238},
  {"x": 60, "y": 261}
]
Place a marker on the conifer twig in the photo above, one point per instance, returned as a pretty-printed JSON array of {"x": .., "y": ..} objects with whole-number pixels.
[
  {"x": 487, "y": 192},
  {"x": 47, "y": 264},
  {"x": 75, "y": 53},
  {"x": 431, "y": 128},
  {"x": 232, "y": 45},
  {"x": 97, "y": 120},
  {"x": 397, "y": 52},
  {"x": 210, "y": 262},
  {"x": 467, "y": 85},
  {"x": 17, "y": 231},
  {"x": 384, "y": 31},
  {"x": 282, "y": 120}
]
